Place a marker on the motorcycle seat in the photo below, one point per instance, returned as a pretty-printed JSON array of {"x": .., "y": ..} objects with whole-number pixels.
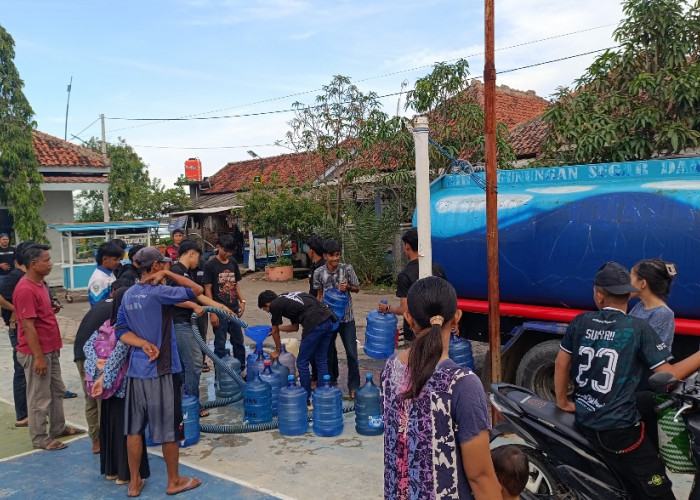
[{"x": 549, "y": 413}]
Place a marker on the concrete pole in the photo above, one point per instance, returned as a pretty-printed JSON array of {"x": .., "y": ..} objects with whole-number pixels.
[
  {"x": 491, "y": 195},
  {"x": 105, "y": 191},
  {"x": 425, "y": 249}
]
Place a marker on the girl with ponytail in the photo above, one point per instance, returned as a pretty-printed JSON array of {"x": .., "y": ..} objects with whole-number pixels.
[
  {"x": 653, "y": 277},
  {"x": 436, "y": 420}
]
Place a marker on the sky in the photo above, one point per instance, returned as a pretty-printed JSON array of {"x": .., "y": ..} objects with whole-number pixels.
[{"x": 213, "y": 58}]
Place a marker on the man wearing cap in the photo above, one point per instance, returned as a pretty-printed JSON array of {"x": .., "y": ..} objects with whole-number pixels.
[
  {"x": 605, "y": 353},
  {"x": 154, "y": 382},
  {"x": 7, "y": 256}
]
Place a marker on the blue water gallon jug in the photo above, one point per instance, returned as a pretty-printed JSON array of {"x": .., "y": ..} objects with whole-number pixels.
[
  {"x": 280, "y": 370},
  {"x": 190, "y": 417},
  {"x": 256, "y": 366},
  {"x": 380, "y": 335},
  {"x": 149, "y": 441},
  {"x": 275, "y": 382},
  {"x": 460, "y": 351},
  {"x": 253, "y": 356},
  {"x": 257, "y": 401},
  {"x": 225, "y": 386},
  {"x": 287, "y": 359},
  {"x": 292, "y": 413},
  {"x": 368, "y": 409},
  {"x": 338, "y": 302},
  {"x": 328, "y": 409}
]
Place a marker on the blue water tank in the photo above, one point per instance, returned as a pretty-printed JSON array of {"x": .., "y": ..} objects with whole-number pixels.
[
  {"x": 149, "y": 441},
  {"x": 225, "y": 386},
  {"x": 460, "y": 351},
  {"x": 275, "y": 382},
  {"x": 292, "y": 409},
  {"x": 190, "y": 417},
  {"x": 257, "y": 401},
  {"x": 380, "y": 335},
  {"x": 280, "y": 370},
  {"x": 338, "y": 302},
  {"x": 328, "y": 409},
  {"x": 368, "y": 409}
]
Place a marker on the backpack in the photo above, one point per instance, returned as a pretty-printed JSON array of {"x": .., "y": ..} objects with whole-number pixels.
[{"x": 104, "y": 344}]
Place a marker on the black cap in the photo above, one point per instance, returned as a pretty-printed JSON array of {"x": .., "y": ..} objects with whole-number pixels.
[
  {"x": 614, "y": 278},
  {"x": 148, "y": 255}
]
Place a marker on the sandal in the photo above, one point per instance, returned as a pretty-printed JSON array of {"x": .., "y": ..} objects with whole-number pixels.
[
  {"x": 55, "y": 445},
  {"x": 70, "y": 395},
  {"x": 22, "y": 423},
  {"x": 203, "y": 413},
  {"x": 69, "y": 431}
]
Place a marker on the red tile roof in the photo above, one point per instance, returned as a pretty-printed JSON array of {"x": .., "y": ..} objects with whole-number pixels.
[
  {"x": 80, "y": 179},
  {"x": 513, "y": 107},
  {"x": 290, "y": 169},
  {"x": 54, "y": 152},
  {"x": 527, "y": 138}
]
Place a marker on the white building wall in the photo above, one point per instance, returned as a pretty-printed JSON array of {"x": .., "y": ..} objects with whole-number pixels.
[{"x": 58, "y": 209}]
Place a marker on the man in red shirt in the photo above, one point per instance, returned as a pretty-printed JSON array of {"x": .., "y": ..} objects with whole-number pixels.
[{"x": 38, "y": 349}]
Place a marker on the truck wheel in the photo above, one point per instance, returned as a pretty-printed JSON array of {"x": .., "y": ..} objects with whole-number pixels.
[
  {"x": 536, "y": 370},
  {"x": 543, "y": 478}
]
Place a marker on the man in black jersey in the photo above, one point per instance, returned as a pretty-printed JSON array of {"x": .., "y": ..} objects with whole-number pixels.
[{"x": 605, "y": 353}]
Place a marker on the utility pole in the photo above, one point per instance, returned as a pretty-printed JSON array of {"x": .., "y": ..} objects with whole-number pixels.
[
  {"x": 105, "y": 192},
  {"x": 65, "y": 132},
  {"x": 491, "y": 195},
  {"x": 425, "y": 249}
]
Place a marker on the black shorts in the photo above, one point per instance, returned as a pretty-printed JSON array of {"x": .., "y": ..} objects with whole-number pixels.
[{"x": 158, "y": 403}]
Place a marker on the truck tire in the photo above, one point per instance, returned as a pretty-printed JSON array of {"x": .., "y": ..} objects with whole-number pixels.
[{"x": 536, "y": 369}]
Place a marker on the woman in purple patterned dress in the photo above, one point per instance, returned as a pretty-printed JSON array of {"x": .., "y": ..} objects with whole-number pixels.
[{"x": 436, "y": 420}]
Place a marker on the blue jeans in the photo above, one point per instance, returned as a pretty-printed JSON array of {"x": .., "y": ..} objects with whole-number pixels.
[
  {"x": 19, "y": 383},
  {"x": 348, "y": 334},
  {"x": 190, "y": 357},
  {"x": 234, "y": 330},
  {"x": 314, "y": 346}
]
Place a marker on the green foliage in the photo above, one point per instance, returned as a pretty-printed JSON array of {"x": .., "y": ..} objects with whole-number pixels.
[
  {"x": 20, "y": 189},
  {"x": 132, "y": 194},
  {"x": 366, "y": 239},
  {"x": 281, "y": 262},
  {"x": 281, "y": 212},
  {"x": 639, "y": 100}
]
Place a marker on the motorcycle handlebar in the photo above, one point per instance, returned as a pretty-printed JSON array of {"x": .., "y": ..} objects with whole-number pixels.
[{"x": 664, "y": 406}]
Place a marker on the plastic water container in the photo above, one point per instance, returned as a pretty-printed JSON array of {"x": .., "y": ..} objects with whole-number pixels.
[
  {"x": 149, "y": 441},
  {"x": 460, "y": 351},
  {"x": 190, "y": 417},
  {"x": 292, "y": 411},
  {"x": 328, "y": 409},
  {"x": 258, "y": 365},
  {"x": 225, "y": 386},
  {"x": 280, "y": 370},
  {"x": 368, "y": 409},
  {"x": 380, "y": 335},
  {"x": 338, "y": 302},
  {"x": 257, "y": 402},
  {"x": 275, "y": 382},
  {"x": 288, "y": 360},
  {"x": 253, "y": 356}
]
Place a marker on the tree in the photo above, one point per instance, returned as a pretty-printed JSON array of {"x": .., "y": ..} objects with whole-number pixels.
[
  {"x": 331, "y": 129},
  {"x": 638, "y": 100},
  {"x": 20, "y": 187},
  {"x": 132, "y": 193}
]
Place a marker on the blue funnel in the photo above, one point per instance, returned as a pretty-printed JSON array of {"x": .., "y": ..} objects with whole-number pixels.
[{"x": 258, "y": 333}]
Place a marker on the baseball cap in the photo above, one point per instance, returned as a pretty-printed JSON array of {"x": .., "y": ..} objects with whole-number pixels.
[
  {"x": 148, "y": 255},
  {"x": 614, "y": 278}
]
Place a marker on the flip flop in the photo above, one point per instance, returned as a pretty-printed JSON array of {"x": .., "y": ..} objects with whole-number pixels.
[
  {"x": 70, "y": 395},
  {"x": 203, "y": 413},
  {"x": 192, "y": 483},
  {"x": 128, "y": 493},
  {"x": 55, "y": 445},
  {"x": 22, "y": 423},
  {"x": 69, "y": 431}
]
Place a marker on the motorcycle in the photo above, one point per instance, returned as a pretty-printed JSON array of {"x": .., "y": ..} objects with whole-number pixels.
[{"x": 564, "y": 464}]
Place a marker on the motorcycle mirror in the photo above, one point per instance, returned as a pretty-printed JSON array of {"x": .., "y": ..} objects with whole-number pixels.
[{"x": 660, "y": 381}]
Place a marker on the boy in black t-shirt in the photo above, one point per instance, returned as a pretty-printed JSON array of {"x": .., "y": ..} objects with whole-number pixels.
[
  {"x": 221, "y": 283},
  {"x": 316, "y": 320}
]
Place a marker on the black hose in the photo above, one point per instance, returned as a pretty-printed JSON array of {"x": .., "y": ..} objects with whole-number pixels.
[{"x": 233, "y": 428}]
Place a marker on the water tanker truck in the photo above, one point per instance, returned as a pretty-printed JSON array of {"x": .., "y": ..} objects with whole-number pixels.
[{"x": 556, "y": 227}]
